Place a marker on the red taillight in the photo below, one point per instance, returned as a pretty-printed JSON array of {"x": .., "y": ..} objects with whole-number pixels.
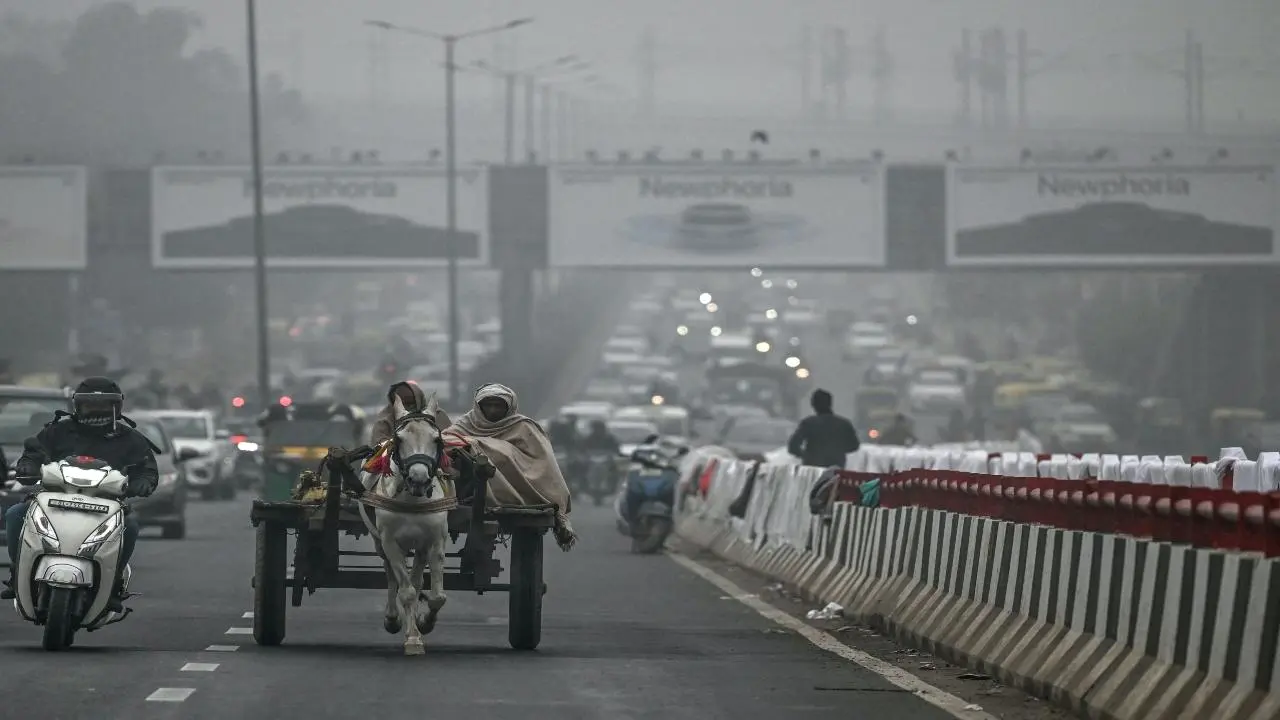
[
  {"x": 873, "y": 434},
  {"x": 239, "y": 438},
  {"x": 237, "y": 402},
  {"x": 286, "y": 401}
]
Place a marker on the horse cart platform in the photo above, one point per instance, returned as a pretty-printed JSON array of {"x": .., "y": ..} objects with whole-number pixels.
[{"x": 329, "y": 511}]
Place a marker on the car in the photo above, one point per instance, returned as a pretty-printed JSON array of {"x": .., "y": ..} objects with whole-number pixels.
[
  {"x": 936, "y": 391},
  {"x": 23, "y": 413},
  {"x": 607, "y": 390},
  {"x": 631, "y": 433},
  {"x": 751, "y": 438},
  {"x": 246, "y": 436},
  {"x": 1078, "y": 427},
  {"x": 864, "y": 339},
  {"x": 211, "y": 473},
  {"x": 166, "y": 508}
]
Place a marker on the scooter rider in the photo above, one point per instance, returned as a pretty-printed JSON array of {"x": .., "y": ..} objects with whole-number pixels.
[
  {"x": 600, "y": 439},
  {"x": 95, "y": 428}
]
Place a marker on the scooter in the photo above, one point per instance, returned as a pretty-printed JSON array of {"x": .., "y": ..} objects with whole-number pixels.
[
  {"x": 650, "y": 489},
  {"x": 71, "y": 542}
]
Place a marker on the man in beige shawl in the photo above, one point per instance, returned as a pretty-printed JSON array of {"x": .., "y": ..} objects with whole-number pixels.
[{"x": 518, "y": 447}]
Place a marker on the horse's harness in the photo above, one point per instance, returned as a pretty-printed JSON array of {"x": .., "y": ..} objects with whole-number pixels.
[
  {"x": 449, "y": 501},
  {"x": 404, "y": 463}
]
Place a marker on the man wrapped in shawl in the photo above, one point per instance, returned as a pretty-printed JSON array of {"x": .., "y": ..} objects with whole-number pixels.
[{"x": 521, "y": 453}]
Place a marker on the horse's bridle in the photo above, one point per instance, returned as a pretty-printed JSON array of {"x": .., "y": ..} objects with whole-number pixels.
[{"x": 404, "y": 463}]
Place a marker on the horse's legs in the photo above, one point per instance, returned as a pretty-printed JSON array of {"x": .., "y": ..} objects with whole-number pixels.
[
  {"x": 419, "y": 566},
  {"x": 391, "y": 614},
  {"x": 435, "y": 592},
  {"x": 405, "y": 594}
]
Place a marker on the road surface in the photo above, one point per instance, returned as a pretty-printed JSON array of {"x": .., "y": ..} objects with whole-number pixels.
[{"x": 624, "y": 637}]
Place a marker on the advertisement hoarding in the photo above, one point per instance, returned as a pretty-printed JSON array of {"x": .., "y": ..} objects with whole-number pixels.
[
  {"x": 673, "y": 216},
  {"x": 1111, "y": 216},
  {"x": 315, "y": 217},
  {"x": 43, "y": 217}
]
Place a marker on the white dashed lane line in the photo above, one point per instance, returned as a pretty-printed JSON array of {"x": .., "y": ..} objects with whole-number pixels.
[
  {"x": 170, "y": 694},
  {"x": 239, "y": 631},
  {"x": 222, "y": 648},
  {"x": 247, "y": 616},
  {"x": 199, "y": 667}
]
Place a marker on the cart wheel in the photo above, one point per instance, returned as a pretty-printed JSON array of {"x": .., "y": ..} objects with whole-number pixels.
[
  {"x": 525, "y": 601},
  {"x": 269, "y": 584}
]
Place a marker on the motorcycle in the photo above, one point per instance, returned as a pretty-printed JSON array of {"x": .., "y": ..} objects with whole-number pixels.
[
  {"x": 81, "y": 507},
  {"x": 600, "y": 477},
  {"x": 650, "y": 495}
]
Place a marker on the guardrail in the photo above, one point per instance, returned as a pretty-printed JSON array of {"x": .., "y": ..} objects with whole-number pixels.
[{"x": 1142, "y": 617}]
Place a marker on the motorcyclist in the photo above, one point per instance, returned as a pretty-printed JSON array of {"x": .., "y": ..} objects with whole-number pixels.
[
  {"x": 600, "y": 439},
  {"x": 899, "y": 433},
  {"x": 563, "y": 434},
  {"x": 96, "y": 428}
]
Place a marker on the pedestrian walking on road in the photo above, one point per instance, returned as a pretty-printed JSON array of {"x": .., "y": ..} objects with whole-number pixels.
[{"x": 823, "y": 439}]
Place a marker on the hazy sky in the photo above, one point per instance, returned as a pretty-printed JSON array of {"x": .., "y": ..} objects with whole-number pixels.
[{"x": 741, "y": 53}]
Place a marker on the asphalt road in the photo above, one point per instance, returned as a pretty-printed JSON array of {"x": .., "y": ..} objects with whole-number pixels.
[{"x": 624, "y": 637}]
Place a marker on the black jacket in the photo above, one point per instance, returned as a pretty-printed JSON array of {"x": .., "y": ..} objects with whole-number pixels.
[
  {"x": 600, "y": 442},
  {"x": 823, "y": 440},
  {"x": 564, "y": 436},
  {"x": 124, "y": 449}
]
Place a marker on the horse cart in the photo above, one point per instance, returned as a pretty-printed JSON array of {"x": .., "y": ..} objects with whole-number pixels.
[{"x": 329, "y": 511}]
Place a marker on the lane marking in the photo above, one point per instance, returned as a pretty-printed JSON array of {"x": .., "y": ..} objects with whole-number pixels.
[
  {"x": 222, "y": 648},
  {"x": 238, "y": 631},
  {"x": 199, "y": 667},
  {"x": 937, "y": 697},
  {"x": 170, "y": 694},
  {"x": 247, "y": 616}
]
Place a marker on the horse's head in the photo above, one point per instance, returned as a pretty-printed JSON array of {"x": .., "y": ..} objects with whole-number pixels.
[{"x": 418, "y": 448}]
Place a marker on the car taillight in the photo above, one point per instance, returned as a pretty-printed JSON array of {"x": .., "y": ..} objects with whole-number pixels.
[
  {"x": 237, "y": 402},
  {"x": 236, "y": 439}
]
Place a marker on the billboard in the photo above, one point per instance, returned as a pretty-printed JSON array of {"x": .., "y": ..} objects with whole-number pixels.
[
  {"x": 43, "y": 217},
  {"x": 315, "y": 217},
  {"x": 1111, "y": 216},
  {"x": 673, "y": 216}
]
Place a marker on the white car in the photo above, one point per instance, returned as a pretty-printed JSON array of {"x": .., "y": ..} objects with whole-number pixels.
[
  {"x": 627, "y": 344},
  {"x": 936, "y": 391},
  {"x": 859, "y": 346},
  {"x": 211, "y": 474}
]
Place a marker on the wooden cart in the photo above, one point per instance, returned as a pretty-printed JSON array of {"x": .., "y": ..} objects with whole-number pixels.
[{"x": 318, "y": 561}]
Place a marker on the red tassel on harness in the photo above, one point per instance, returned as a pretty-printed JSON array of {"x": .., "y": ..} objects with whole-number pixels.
[{"x": 380, "y": 465}]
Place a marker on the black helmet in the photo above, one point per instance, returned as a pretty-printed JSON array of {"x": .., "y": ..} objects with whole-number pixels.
[{"x": 97, "y": 402}]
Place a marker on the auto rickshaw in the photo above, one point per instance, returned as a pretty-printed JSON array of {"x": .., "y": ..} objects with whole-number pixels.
[
  {"x": 1160, "y": 426},
  {"x": 1231, "y": 427},
  {"x": 1011, "y": 398},
  {"x": 874, "y": 398},
  {"x": 296, "y": 438}
]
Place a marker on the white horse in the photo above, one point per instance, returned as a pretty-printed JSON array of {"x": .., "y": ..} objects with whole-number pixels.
[{"x": 407, "y": 510}]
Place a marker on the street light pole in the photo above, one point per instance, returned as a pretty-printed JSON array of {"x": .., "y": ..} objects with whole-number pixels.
[
  {"x": 509, "y": 118},
  {"x": 530, "y": 99},
  {"x": 546, "y": 124},
  {"x": 451, "y": 202},
  {"x": 259, "y": 234},
  {"x": 451, "y": 176}
]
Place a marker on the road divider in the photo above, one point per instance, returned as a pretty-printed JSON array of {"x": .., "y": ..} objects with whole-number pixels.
[{"x": 1104, "y": 623}]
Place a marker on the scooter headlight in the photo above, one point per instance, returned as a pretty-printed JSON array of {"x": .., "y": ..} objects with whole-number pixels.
[
  {"x": 41, "y": 523},
  {"x": 102, "y": 532}
]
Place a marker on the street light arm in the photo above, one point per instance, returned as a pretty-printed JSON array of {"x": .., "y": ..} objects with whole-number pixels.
[
  {"x": 489, "y": 30},
  {"x": 384, "y": 25}
]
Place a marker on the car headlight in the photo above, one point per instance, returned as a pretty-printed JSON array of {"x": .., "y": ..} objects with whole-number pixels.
[
  {"x": 41, "y": 523},
  {"x": 247, "y": 446},
  {"x": 102, "y": 532}
]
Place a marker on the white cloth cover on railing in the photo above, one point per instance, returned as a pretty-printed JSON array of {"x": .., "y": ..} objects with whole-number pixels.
[
  {"x": 1246, "y": 476},
  {"x": 1268, "y": 471},
  {"x": 1204, "y": 475}
]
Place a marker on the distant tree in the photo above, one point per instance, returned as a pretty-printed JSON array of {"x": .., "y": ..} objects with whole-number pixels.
[{"x": 128, "y": 89}]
